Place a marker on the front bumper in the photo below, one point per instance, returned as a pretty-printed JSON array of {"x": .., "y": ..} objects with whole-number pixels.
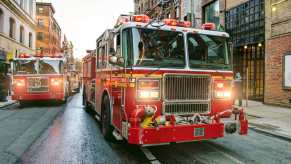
[
  {"x": 179, "y": 133},
  {"x": 39, "y": 96},
  {"x": 188, "y": 132}
]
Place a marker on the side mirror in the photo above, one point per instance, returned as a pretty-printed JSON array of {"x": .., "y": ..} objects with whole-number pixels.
[
  {"x": 113, "y": 60},
  {"x": 230, "y": 46},
  {"x": 120, "y": 61},
  {"x": 112, "y": 52}
]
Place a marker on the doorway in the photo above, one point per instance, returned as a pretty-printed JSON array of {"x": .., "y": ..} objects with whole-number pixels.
[{"x": 249, "y": 61}]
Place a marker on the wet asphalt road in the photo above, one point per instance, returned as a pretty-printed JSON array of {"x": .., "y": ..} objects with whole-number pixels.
[{"x": 75, "y": 137}]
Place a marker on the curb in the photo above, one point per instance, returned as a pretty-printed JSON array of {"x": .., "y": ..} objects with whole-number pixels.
[
  {"x": 271, "y": 133},
  {"x": 3, "y": 107}
]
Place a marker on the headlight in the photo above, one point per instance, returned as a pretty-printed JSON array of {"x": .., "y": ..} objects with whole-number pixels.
[
  {"x": 148, "y": 89},
  {"x": 19, "y": 82},
  {"x": 223, "y": 94},
  {"x": 222, "y": 89},
  {"x": 148, "y": 94},
  {"x": 56, "y": 81}
]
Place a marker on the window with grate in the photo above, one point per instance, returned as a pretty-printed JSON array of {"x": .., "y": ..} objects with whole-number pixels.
[{"x": 246, "y": 23}]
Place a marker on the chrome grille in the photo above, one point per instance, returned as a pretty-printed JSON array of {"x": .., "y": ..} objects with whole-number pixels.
[
  {"x": 187, "y": 87},
  {"x": 38, "y": 84},
  {"x": 186, "y": 94},
  {"x": 185, "y": 108}
]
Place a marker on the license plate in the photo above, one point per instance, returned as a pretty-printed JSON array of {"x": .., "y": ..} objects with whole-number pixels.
[{"x": 199, "y": 132}]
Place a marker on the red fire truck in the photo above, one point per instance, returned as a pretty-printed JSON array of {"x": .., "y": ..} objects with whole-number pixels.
[
  {"x": 159, "y": 82},
  {"x": 38, "y": 78}
]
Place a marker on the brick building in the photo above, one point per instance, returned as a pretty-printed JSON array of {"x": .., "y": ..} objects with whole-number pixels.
[
  {"x": 278, "y": 44},
  {"x": 49, "y": 35},
  {"x": 187, "y": 10}
]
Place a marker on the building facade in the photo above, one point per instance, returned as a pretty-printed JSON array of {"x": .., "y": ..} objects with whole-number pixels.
[
  {"x": 68, "y": 51},
  {"x": 186, "y": 10},
  {"x": 260, "y": 31},
  {"x": 17, "y": 27},
  {"x": 278, "y": 45},
  {"x": 49, "y": 34},
  {"x": 244, "y": 20}
]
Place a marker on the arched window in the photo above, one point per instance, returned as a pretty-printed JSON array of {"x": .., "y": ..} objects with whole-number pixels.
[
  {"x": 1, "y": 20},
  {"x": 30, "y": 40},
  {"x": 12, "y": 27},
  {"x": 21, "y": 34},
  {"x": 21, "y": 3}
]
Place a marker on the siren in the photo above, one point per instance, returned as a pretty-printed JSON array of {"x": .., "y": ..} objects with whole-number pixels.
[
  {"x": 141, "y": 18},
  {"x": 208, "y": 26},
  {"x": 24, "y": 56},
  {"x": 174, "y": 22}
]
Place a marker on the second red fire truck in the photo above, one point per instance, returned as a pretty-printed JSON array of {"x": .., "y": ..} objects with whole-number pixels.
[
  {"x": 38, "y": 78},
  {"x": 158, "y": 82}
]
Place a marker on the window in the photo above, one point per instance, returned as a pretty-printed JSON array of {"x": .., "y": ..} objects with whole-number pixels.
[
  {"x": 40, "y": 36},
  {"x": 21, "y": 4},
  {"x": 1, "y": 20},
  {"x": 40, "y": 10},
  {"x": 30, "y": 40},
  {"x": 21, "y": 34},
  {"x": 211, "y": 13},
  {"x": 30, "y": 7},
  {"x": 40, "y": 22},
  {"x": 243, "y": 26},
  {"x": 12, "y": 28},
  {"x": 155, "y": 48},
  {"x": 206, "y": 51}
]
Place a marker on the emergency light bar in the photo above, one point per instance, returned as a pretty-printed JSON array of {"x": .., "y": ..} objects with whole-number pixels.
[
  {"x": 208, "y": 26},
  {"x": 141, "y": 18},
  {"x": 174, "y": 22},
  {"x": 146, "y": 19},
  {"x": 24, "y": 56}
]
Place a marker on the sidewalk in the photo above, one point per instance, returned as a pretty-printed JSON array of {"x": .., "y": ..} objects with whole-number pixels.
[
  {"x": 6, "y": 103},
  {"x": 269, "y": 119}
]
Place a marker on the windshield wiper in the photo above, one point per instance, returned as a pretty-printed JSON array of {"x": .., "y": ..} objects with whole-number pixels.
[{"x": 153, "y": 71}]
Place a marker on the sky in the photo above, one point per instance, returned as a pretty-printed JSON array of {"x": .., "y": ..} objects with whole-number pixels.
[{"x": 83, "y": 21}]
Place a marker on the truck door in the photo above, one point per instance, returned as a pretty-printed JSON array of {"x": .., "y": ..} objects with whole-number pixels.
[
  {"x": 99, "y": 79},
  {"x": 118, "y": 76}
]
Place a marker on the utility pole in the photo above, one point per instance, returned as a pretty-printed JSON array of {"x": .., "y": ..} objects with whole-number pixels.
[{"x": 192, "y": 11}]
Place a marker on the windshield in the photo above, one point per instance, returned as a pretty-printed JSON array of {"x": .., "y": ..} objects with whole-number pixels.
[
  {"x": 157, "y": 48},
  {"x": 38, "y": 67},
  {"x": 25, "y": 67},
  {"x": 206, "y": 51},
  {"x": 50, "y": 67}
]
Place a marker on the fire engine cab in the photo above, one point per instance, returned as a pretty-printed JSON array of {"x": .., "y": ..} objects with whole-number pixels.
[
  {"x": 38, "y": 78},
  {"x": 157, "y": 82}
]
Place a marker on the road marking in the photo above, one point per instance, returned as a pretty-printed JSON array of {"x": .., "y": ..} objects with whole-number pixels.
[
  {"x": 150, "y": 156},
  {"x": 225, "y": 154}
]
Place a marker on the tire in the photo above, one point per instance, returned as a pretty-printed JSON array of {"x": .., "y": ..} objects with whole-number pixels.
[
  {"x": 22, "y": 104},
  {"x": 106, "y": 126}
]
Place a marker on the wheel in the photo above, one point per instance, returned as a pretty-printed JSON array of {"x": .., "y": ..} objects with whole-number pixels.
[
  {"x": 106, "y": 126},
  {"x": 22, "y": 104},
  {"x": 64, "y": 101}
]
